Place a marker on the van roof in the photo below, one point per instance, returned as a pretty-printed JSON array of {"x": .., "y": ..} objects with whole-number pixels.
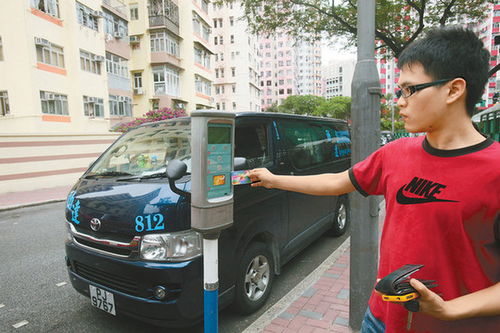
[
  {"x": 269, "y": 115},
  {"x": 284, "y": 116}
]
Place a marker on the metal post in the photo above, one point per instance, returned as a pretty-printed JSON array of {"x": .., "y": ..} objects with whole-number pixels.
[
  {"x": 211, "y": 284},
  {"x": 365, "y": 112},
  {"x": 392, "y": 115}
]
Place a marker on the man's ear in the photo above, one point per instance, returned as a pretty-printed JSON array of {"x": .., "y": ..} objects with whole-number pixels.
[{"x": 457, "y": 90}]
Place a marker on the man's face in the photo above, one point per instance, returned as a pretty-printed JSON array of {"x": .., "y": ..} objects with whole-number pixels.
[{"x": 424, "y": 110}]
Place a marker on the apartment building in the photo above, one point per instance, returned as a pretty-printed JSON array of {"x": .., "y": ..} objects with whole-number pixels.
[
  {"x": 337, "y": 77},
  {"x": 171, "y": 54},
  {"x": 65, "y": 83},
  {"x": 237, "y": 60},
  {"x": 288, "y": 67}
]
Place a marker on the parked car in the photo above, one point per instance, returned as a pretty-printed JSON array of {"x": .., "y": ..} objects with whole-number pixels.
[{"x": 131, "y": 248}]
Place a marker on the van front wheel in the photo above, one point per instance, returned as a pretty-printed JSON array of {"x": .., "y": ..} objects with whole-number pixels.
[
  {"x": 255, "y": 278},
  {"x": 342, "y": 217}
]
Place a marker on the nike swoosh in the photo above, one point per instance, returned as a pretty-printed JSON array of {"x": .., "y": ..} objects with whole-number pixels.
[{"x": 404, "y": 200}]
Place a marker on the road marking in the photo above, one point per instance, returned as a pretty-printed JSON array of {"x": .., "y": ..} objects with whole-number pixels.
[
  {"x": 2, "y": 305},
  {"x": 60, "y": 284},
  {"x": 20, "y": 324}
]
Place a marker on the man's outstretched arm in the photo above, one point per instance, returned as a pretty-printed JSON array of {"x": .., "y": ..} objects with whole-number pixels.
[{"x": 323, "y": 184}]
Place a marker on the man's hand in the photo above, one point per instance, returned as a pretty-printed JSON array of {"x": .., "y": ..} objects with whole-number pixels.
[
  {"x": 431, "y": 303},
  {"x": 261, "y": 177}
]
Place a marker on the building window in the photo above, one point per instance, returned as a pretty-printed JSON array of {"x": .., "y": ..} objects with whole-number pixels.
[
  {"x": 87, "y": 17},
  {"x": 166, "y": 80},
  {"x": 234, "y": 88},
  {"x": 134, "y": 12},
  {"x": 232, "y": 39},
  {"x": 4, "y": 103},
  {"x": 137, "y": 80},
  {"x": 234, "y": 105},
  {"x": 93, "y": 106},
  {"x": 202, "y": 85},
  {"x": 200, "y": 28},
  {"x": 162, "y": 41},
  {"x": 116, "y": 65},
  {"x": 48, "y": 53},
  {"x": 231, "y": 20},
  {"x": 1, "y": 49},
  {"x": 53, "y": 103},
  {"x": 120, "y": 106},
  {"x": 90, "y": 62},
  {"x": 50, "y": 7},
  {"x": 114, "y": 25},
  {"x": 233, "y": 71},
  {"x": 202, "y": 57}
]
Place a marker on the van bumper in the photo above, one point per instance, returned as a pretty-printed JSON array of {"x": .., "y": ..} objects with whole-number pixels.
[{"x": 132, "y": 284}]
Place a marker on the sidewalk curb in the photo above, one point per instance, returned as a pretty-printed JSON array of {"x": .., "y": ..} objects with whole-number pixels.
[
  {"x": 2, "y": 209},
  {"x": 267, "y": 317}
]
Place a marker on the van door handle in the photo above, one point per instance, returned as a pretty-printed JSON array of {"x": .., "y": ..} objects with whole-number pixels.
[{"x": 291, "y": 172}]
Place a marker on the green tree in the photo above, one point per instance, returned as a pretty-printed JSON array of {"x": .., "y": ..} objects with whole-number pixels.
[
  {"x": 336, "y": 107},
  {"x": 398, "y": 22},
  {"x": 385, "y": 114},
  {"x": 301, "y": 104}
]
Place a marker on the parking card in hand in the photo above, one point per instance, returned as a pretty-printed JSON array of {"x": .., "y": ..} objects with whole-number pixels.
[{"x": 240, "y": 177}]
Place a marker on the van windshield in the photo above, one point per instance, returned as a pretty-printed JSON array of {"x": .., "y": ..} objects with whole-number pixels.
[{"x": 146, "y": 150}]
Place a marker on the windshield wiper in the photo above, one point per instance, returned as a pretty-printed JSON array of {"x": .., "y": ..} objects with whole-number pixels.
[
  {"x": 108, "y": 174},
  {"x": 150, "y": 176}
]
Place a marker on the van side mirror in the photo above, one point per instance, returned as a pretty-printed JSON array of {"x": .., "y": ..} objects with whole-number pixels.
[
  {"x": 240, "y": 163},
  {"x": 175, "y": 170}
]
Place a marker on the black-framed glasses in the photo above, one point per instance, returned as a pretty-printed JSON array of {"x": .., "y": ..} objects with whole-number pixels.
[{"x": 410, "y": 90}]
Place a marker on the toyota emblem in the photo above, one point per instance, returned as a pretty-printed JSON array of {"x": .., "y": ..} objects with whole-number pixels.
[{"x": 95, "y": 224}]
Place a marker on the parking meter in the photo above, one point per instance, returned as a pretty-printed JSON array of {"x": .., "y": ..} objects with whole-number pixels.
[
  {"x": 212, "y": 156},
  {"x": 212, "y": 149}
]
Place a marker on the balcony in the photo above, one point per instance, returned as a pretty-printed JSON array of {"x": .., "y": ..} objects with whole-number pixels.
[
  {"x": 163, "y": 21},
  {"x": 117, "y": 6}
]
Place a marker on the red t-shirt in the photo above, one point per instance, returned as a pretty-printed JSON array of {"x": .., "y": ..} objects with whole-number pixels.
[{"x": 440, "y": 212}]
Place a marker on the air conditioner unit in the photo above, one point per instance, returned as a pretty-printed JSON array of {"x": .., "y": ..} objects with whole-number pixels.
[
  {"x": 99, "y": 58},
  {"x": 121, "y": 98},
  {"x": 49, "y": 96},
  {"x": 134, "y": 39},
  {"x": 97, "y": 13},
  {"x": 90, "y": 100},
  {"x": 41, "y": 41},
  {"x": 138, "y": 91},
  {"x": 118, "y": 34}
]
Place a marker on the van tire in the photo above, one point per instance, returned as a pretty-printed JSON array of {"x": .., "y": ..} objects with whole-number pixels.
[
  {"x": 342, "y": 217},
  {"x": 255, "y": 278}
]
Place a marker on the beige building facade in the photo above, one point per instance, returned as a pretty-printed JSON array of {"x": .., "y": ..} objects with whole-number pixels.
[{"x": 171, "y": 55}]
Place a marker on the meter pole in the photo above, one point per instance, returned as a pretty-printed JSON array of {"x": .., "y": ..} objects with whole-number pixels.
[{"x": 211, "y": 282}]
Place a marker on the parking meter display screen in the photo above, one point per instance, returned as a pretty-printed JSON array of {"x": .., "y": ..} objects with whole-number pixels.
[
  {"x": 219, "y": 160},
  {"x": 219, "y": 135}
]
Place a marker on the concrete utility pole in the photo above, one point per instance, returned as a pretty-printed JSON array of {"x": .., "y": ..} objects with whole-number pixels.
[{"x": 365, "y": 111}]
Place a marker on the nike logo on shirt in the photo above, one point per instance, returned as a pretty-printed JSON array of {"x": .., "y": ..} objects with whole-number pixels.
[{"x": 423, "y": 191}]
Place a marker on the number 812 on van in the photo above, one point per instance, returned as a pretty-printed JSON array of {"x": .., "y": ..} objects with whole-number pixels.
[{"x": 150, "y": 222}]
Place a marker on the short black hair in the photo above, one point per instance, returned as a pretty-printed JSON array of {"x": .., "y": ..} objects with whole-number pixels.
[{"x": 451, "y": 52}]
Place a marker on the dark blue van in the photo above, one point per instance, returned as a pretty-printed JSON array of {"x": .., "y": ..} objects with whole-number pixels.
[{"x": 131, "y": 249}]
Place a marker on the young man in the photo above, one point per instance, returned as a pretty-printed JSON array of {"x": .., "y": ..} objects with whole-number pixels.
[{"x": 442, "y": 191}]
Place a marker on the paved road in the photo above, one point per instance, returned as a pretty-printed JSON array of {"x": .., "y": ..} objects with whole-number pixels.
[{"x": 34, "y": 284}]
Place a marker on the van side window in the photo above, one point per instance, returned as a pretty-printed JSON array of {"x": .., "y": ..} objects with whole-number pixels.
[
  {"x": 251, "y": 142},
  {"x": 305, "y": 143}
]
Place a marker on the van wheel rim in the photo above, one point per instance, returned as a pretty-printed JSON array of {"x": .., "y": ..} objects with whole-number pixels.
[
  {"x": 342, "y": 216},
  {"x": 257, "y": 278}
]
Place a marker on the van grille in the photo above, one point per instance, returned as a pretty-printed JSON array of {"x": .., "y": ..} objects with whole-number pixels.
[
  {"x": 106, "y": 248},
  {"x": 107, "y": 279}
]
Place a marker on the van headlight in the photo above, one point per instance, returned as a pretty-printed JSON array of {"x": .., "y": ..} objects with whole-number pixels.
[{"x": 175, "y": 246}]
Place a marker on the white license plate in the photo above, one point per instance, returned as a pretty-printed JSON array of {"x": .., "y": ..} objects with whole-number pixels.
[{"x": 102, "y": 299}]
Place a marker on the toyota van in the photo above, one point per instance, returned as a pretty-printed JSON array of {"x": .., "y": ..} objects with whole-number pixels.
[{"x": 130, "y": 245}]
